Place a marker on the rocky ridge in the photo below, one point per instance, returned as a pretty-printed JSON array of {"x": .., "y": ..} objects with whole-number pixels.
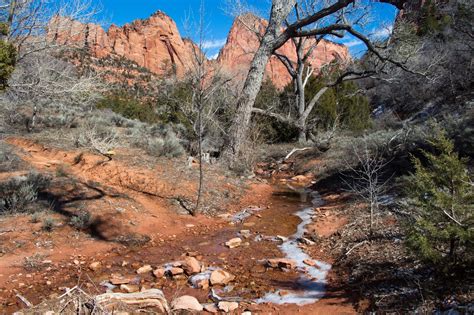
[{"x": 156, "y": 45}]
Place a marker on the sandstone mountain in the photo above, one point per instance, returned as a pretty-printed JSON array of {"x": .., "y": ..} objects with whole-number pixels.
[
  {"x": 242, "y": 42},
  {"x": 156, "y": 45}
]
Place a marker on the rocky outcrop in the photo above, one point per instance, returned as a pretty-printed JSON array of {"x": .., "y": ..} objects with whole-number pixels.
[
  {"x": 242, "y": 42},
  {"x": 154, "y": 43},
  {"x": 150, "y": 300}
]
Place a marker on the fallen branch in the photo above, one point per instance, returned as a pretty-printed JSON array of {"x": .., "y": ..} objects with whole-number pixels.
[
  {"x": 24, "y": 300},
  {"x": 354, "y": 247},
  {"x": 295, "y": 150}
]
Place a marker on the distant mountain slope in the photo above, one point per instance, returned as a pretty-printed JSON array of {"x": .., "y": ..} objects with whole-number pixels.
[{"x": 156, "y": 44}]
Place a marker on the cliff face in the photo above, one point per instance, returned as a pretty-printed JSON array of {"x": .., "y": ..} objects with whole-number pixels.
[
  {"x": 155, "y": 44},
  {"x": 242, "y": 42}
]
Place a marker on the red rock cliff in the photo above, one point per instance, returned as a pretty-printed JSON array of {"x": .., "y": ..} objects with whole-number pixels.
[
  {"x": 242, "y": 42},
  {"x": 155, "y": 43}
]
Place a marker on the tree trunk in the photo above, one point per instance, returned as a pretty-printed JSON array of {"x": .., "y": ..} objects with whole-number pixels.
[
  {"x": 301, "y": 102},
  {"x": 240, "y": 125}
]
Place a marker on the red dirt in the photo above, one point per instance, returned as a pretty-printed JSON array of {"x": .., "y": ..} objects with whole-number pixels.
[{"x": 144, "y": 196}]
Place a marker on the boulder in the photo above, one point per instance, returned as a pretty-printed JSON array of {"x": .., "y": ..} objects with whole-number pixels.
[
  {"x": 144, "y": 269},
  {"x": 227, "y": 306},
  {"x": 201, "y": 284},
  {"x": 306, "y": 241},
  {"x": 159, "y": 273},
  {"x": 186, "y": 302},
  {"x": 191, "y": 265},
  {"x": 221, "y": 277},
  {"x": 211, "y": 308},
  {"x": 245, "y": 233},
  {"x": 233, "y": 243},
  {"x": 152, "y": 300},
  {"x": 300, "y": 178},
  {"x": 281, "y": 263},
  {"x": 117, "y": 280},
  {"x": 95, "y": 266},
  {"x": 175, "y": 271}
]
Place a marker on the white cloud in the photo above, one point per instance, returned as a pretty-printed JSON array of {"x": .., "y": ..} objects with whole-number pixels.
[
  {"x": 352, "y": 43},
  {"x": 383, "y": 32},
  {"x": 212, "y": 57},
  {"x": 210, "y": 44}
]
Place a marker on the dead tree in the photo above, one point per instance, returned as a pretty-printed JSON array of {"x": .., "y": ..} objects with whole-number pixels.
[
  {"x": 322, "y": 19},
  {"x": 366, "y": 177},
  {"x": 28, "y": 21},
  {"x": 205, "y": 81},
  {"x": 41, "y": 77}
]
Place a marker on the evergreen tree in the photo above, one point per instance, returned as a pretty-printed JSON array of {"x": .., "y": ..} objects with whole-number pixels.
[
  {"x": 442, "y": 197},
  {"x": 7, "y": 57}
]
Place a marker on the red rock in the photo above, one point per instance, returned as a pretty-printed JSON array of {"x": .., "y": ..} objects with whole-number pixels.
[
  {"x": 176, "y": 271},
  {"x": 159, "y": 273},
  {"x": 156, "y": 44},
  {"x": 116, "y": 280},
  {"x": 221, "y": 277},
  {"x": 191, "y": 265},
  {"x": 153, "y": 43},
  {"x": 281, "y": 263}
]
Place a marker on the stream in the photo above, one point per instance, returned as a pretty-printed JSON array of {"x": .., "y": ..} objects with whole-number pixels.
[{"x": 311, "y": 284}]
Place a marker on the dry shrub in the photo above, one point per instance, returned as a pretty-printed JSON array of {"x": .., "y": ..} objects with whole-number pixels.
[
  {"x": 9, "y": 161},
  {"x": 20, "y": 192}
]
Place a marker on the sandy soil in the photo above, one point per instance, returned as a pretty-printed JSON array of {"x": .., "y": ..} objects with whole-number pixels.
[{"x": 133, "y": 203}]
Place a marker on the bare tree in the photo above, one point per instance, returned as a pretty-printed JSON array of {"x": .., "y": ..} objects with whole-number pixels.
[
  {"x": 320, "y": 19},
  {"x": 41, "y": 76},
  {"x": 41, "y": 80},
  {"x": 366, "y": 177},
  {"x": 205, "y": 81},
  {"x": 28, "y": 21}
]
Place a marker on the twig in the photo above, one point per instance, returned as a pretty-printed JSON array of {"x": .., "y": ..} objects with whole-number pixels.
[
  {"x": 354, "y": 247},
  {"x": 24, "y": 300}
]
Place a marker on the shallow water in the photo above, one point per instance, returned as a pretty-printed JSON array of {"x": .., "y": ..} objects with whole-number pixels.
[{"x": 312, "y": 281}]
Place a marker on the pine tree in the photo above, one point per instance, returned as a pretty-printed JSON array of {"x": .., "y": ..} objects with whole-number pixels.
[
  {"x": 442, "y": 198},
  {"x": 7, "y": 57}
]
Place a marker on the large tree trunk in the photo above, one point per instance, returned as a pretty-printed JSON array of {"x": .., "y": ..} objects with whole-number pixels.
[{"x": 240, "y": 126}]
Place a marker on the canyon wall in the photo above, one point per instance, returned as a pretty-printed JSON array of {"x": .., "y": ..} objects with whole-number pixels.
[{"x": 156, "y": 44}]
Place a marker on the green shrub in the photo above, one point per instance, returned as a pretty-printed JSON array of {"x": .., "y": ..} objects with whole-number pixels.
[
  {"x": 272, "y": 129},
  {"x": 9, "y": 161},
  {"x": 48, "y": 224},
  {"x": 442, "y": 196},
  {"x": 341, "y": 102},
  {"x": 81, "y": 221},
  {"x": 431, "y": 20},
  {"x": 7, "y": 62},
  {"x": 129, "y": 107}
]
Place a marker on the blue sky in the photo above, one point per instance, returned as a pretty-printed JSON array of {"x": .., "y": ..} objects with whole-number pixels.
[{"x": 218, "y": 21}]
